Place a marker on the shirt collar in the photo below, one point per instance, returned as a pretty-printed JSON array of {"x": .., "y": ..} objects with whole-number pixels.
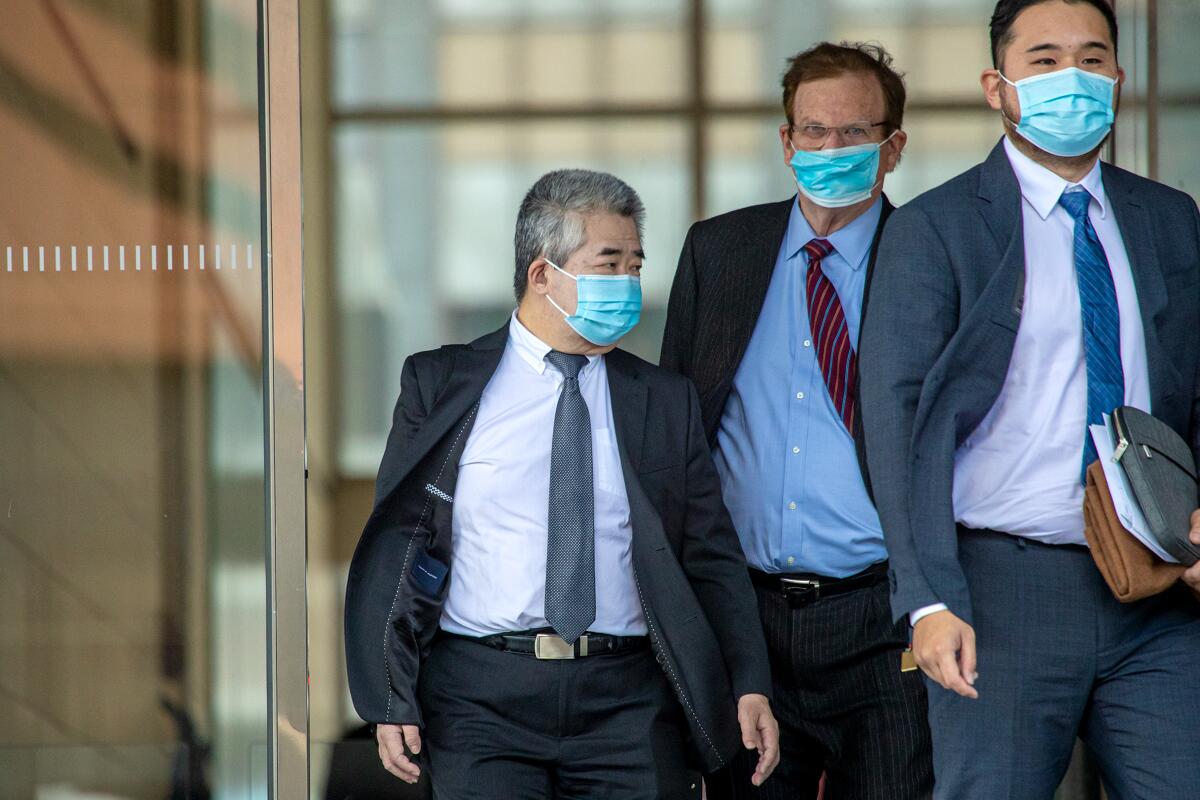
[
  {"x": 531, "y": 349},
  {"x": 1041, "y": 188},
  {"x": 851, "y": 242}
]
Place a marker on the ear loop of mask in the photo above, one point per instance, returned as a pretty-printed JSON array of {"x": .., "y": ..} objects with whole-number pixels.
[
  {"x": 1004, "y": 113},
  {"x": 564, "y": 272}
]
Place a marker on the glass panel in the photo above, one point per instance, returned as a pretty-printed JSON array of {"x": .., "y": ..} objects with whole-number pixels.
[
  {"x": 941, "y": 45},
  {"x": 133, "y": 640},
  {"x": 1179, "y": 103},
  {"x": 433, "y": 263},
  {"x": 424, "y": 52}
]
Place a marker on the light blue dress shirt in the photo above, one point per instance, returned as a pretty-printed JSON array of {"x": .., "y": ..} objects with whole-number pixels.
[{"x": 788, "y": 467}]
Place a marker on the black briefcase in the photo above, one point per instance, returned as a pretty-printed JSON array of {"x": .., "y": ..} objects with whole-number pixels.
[{"x": 1162, "y": 474}]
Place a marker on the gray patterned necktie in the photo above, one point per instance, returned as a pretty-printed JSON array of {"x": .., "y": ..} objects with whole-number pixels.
[{"x": 571, "y": 525}]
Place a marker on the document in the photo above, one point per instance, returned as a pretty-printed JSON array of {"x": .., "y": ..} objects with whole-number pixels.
[{"x": 1122, "y": 496}]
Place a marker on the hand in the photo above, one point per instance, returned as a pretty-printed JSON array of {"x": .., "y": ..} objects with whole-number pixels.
[
  {"x": 944, "y": 647},
  {"x": 1192, "y": 576},
  {"x": 392, "y": 740},
  {"x": 760, "y": 732}
]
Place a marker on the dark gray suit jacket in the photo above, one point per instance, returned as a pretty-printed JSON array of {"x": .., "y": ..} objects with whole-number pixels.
[
  {"x": 935, "y": 349},
  {"x": 687, "y": 562}
]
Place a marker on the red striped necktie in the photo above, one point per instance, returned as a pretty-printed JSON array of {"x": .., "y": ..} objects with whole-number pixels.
[{"x": 830, "y": 335}]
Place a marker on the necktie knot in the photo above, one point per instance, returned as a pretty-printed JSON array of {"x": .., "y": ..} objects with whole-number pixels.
[
  {"x": 569, "y": 364},
  {"x": 818, "y": 249},
  {"x": 1076, "y": 203}
]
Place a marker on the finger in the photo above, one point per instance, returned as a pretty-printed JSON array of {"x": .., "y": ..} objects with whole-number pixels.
[
  {"x": 952, "y": 678},
  {"x": 1194, "y": 534},
  {"x": 930, "y": 667},
  {"x": 1192, "y": 576},
  {"x": 966, "y": 658},
  {"x": 397, "y": 764},
  {"x": 404, "y": 767},
  {"x": 748, "y": 721},
  {"x": 770, "y": 754},
  {"x": 412, "y": 738}
]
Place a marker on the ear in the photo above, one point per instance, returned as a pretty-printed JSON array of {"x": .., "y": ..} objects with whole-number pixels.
[
  {"x": 537, "y": 277},
  {"x": 992, "y": 85},
  {"x": 895, "y": 148}
]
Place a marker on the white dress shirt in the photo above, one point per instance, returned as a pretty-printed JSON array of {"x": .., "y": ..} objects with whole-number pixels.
[
  {"x": 1019, "y": 471},
  {"x": 501, "y": 501}
]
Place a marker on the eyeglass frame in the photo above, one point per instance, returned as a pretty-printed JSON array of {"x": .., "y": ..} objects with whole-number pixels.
[{"x": 829, "y": 128}]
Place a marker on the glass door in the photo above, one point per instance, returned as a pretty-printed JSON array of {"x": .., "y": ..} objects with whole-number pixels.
[{"x": 151, "y": 414}]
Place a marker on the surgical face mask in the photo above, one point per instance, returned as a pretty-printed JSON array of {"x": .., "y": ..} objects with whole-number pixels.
[
  {"x": 1065, "y": 113},
  {"x": 607, "y": 308},
  {"x": 840, "y": 176}
]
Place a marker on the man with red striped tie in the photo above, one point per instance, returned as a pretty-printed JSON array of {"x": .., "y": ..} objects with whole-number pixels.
[{"x": 764, "y": 318}]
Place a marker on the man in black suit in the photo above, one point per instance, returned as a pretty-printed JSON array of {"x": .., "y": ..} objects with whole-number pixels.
[
  {"x": 547, "y": 526},
  {"x": 764, "y": 317},
  {"x": 1014, "y": 306}
]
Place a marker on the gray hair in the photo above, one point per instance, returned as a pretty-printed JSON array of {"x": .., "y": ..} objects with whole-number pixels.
[{"x": 551, "y": 221}]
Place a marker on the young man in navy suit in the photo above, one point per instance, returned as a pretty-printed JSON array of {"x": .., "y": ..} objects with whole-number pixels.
[{"x": 1012, "y": 307}]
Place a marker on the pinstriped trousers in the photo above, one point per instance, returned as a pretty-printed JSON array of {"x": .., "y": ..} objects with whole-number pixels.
[{"x": 844, "y": 707}]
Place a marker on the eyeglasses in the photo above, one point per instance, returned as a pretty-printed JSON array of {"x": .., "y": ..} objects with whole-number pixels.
[{"x": 854, "y": 133}]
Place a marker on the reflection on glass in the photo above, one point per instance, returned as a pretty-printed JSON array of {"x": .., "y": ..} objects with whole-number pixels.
[{"x": 132, "y": 575}]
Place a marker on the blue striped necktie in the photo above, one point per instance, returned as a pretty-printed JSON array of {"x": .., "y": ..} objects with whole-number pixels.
[{"x": 1101, "y": 321}]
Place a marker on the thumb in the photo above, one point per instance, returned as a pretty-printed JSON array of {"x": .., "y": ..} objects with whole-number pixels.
[
  {"x": 751, "y": 736},
  {"x": 412, "y": 738},
  {"x": 966, "y": 657}
]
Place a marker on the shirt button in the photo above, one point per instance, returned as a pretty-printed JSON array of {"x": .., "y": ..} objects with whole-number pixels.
[
  {"x": 791, "y": 559},
  {"x": 795, "y": 449},
  {"x": 808, "y": 342},
  {"x": 792, "y": 505},
  {"x": 799, "y": 395}
]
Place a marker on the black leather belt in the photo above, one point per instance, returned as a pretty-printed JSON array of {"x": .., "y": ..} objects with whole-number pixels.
[
  {"x": 802, "y": 588},
  {"x": 548, "y": 646}
]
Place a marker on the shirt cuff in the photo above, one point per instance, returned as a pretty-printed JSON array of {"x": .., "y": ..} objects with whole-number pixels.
[{"x": 924, "y": 611}]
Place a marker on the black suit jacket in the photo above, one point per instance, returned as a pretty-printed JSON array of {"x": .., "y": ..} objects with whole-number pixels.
[
  {"x": 689, "y": 569},
  {"x": 720, "y": 285},
  {"x": 935, "y": 350}
]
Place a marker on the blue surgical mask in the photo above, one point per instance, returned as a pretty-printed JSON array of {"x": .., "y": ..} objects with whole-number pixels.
[
  {"x": 1066, "y": 113},
  {"x": 839, "y": 176},
  {"x": 607, "y": 306}
]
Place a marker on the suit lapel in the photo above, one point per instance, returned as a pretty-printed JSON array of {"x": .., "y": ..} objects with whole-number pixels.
[
  {"x": 746, "y": 278},
  {"x": 472, "y": 368},
  {"x": 628, "y": 395},
  {"x": 1134, "y": 222},
  {"x": 1000, "y": 207}
]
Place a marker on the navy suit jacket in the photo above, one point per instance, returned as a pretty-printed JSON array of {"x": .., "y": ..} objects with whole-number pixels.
[{"x": 934, "y": 351}]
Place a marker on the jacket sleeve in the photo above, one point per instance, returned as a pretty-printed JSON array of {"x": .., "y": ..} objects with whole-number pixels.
[
  {"x": 1195, "y": 417},
  {"x": 914, "y": 312},
  {"x": 681, "y": 313},
  {"x": 381, "y": 649},
  {"x": 713, "y": 560}
]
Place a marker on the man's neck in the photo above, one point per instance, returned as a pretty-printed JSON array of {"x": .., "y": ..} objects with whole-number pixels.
[
  {"x": 552, "y": 332},
  {"x": 1071, "y": 169},
  {"x": 825, "y": 221}
]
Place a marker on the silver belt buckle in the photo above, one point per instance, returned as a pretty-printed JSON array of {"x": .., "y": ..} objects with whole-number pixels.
[
  {"x": 805, "y": 590},
  {"x": 551, "y": 647}
]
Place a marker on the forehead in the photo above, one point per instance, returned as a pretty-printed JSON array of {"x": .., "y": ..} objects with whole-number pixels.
[
  {"x": 1060, "y": 23},
  {"x": 848, "y": 97},
  {"x": 610, "y": 229}
]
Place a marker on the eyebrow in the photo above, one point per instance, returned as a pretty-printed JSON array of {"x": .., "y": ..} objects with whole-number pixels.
[
  {"x": 616, "y": 251},
  {"x": 1050, "y": 46}
]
